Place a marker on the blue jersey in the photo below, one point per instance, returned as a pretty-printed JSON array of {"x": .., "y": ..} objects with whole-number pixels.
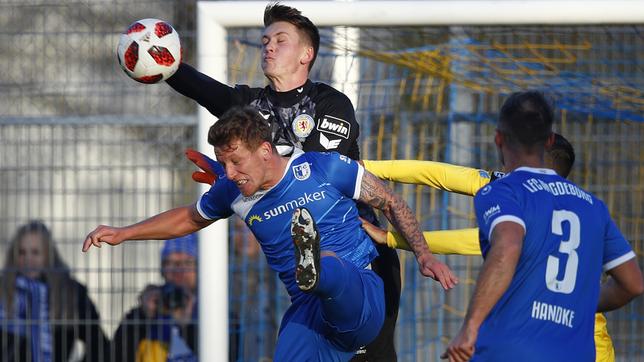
[
  {"x": 324, "y": 183},
  {"x": 548, "y": 311}
]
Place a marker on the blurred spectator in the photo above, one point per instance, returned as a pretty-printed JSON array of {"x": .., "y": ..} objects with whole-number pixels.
[
  {"x": 163, "y": 327},
  {"x": 43, "y": 310},
  {"x": 254, "y": 291}
]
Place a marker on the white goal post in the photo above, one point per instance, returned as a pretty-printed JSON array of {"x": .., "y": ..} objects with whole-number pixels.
[{"x": 214, "y": 17}]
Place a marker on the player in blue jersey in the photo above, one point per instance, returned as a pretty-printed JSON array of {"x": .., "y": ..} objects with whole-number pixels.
[
  {"x": 306, "y": 199},
  {"x": 545, "y": 242}
]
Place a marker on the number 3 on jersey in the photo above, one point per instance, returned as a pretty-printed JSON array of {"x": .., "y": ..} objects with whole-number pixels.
[{"x": 567, "y": 284}]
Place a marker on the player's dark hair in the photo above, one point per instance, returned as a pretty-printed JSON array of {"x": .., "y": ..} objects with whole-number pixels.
[
  {"x": 526, "y": 120},
  {"x": 240, "y": 124},
  {"x": 275, "y": 12},
  {"x": 562, "y": 154}
]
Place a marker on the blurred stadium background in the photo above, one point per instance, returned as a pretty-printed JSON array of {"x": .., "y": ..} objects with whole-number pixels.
[{"x": 81, "y": 144}]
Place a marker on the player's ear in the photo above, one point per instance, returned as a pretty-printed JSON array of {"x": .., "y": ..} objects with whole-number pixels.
[
  {"x": 266, "y": 150},
  {"x": 498, "y": 138},
  {"x": 550, "y": 141},
  {"x": 307, "y": 55}
]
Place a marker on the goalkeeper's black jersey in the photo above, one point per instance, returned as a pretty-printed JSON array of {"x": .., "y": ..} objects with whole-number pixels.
[{"x": 314, "y": 117}]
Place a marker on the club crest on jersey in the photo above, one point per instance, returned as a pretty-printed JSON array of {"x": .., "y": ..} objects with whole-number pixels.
[
  {"x": 335, "y": 126},
  {"x": 302, "y": 171},
  {"x": 486, "y": 190},
  {"x": 303, "y": 125}
]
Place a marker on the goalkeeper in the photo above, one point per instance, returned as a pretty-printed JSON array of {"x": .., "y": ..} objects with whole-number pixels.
[{"x": 464, "y": 180}]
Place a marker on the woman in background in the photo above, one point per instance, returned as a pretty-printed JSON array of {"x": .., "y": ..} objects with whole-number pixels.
[{"x": 43, "y": 309}]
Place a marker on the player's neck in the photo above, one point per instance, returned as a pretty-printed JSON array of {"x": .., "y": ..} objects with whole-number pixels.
[
  {"x": 514, "y": 161},
  {"x": 288, "y": 83},
  {"x": 275, "y": 168}
]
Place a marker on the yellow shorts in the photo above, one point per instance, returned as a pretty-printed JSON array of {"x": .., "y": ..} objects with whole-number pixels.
[{"x": 603, "y": 343}]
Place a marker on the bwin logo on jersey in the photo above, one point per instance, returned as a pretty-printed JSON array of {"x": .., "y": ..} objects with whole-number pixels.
[
  {"x": 302, "y": 171},
  {"x": 335, "y": 126}
]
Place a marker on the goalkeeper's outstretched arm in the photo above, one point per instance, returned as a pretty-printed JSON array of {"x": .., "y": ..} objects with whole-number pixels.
[
  {"x": 443, "y": 176},
  {"x": 211, "y": 94}
]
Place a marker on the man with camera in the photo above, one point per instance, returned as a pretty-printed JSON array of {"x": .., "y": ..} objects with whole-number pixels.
[{"x": 164, "y": 324}]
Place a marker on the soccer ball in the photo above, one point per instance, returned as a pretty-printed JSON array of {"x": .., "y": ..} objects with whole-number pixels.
[{"x": 149, "y": 51}]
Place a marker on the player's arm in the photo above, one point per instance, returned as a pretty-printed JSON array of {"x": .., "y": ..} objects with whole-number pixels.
[
  {"x": 624, "y": 283},
  {"x": 446, "y": 242},
  {"x": 374, "y": 193},
  {"x": 443, "y": 176},
  {"x": 620, "y": 262},
  {"x": 494, "y": 278},
  {"x": 166, "y": 225},
  {"x": 497, "y": 270},
  {"x": 459, "y": 241},
  {"x": 208, "y": 92},
  {"x": 336, "y": 128}
]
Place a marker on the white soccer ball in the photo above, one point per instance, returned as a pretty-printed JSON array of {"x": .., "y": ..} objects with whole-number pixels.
[{"x": 149, "y": 51}]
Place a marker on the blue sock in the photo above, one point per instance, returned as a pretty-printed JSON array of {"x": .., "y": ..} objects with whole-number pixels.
[{"x": 340, "y": 289}]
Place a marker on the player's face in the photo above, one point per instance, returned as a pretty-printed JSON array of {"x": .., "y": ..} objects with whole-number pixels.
[
  {"x": 32, "y": 256},
  {"x": 181, "y": 269},
  {"x": 283, "y": 50},
  {"x": 243, "y": 166}
]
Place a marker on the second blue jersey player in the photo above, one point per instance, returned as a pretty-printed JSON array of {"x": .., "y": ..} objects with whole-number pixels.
[
  {"x": 552, "y": 299},
  {"x": 302, "y": 211},
  {"x": 545, "y": 242}
]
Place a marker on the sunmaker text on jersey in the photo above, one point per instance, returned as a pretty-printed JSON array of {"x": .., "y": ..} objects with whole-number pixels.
[{"x": 293, "y": 204}]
